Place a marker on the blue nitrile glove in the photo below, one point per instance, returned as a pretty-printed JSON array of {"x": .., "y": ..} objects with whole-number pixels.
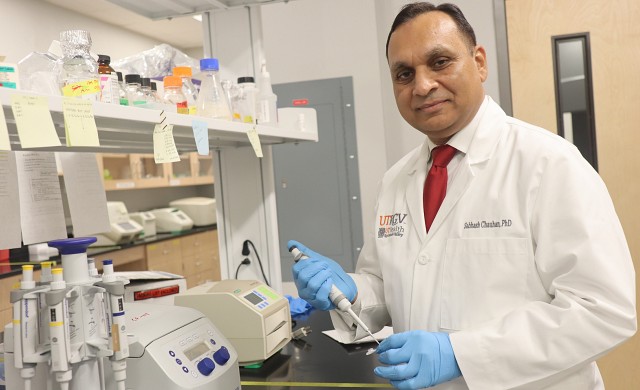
[
  {"x": 417, "y": 359},
  {"x": 315, "y": 276}
]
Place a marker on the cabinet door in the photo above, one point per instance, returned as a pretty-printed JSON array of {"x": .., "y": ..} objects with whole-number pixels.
[
  {"x": 165, "y": 256},
  {"x": 200, "y": 254}
]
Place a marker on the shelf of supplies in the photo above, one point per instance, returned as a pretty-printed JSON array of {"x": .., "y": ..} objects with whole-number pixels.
[{"x": 124, "y": 129}]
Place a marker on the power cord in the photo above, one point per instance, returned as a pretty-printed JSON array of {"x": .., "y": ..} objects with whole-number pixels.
[
  {"x": 244, "y": 262},
  {"x": 245, "y": 252}
]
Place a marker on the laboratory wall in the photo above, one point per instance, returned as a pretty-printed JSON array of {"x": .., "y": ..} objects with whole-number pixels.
[
  {"x": 311, "y": 40},
  {"x": 31, "y": 25},
  {"x": 614, "y": 32}
]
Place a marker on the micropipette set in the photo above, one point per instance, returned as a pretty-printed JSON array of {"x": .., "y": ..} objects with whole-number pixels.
[{"x": 66, "y": 325}]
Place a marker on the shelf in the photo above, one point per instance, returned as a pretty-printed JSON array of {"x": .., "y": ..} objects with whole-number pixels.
[
  {"x": 139, "y": 171},
  {"x": 174, "y": 8},
  {"x": 124, "y": 129}
]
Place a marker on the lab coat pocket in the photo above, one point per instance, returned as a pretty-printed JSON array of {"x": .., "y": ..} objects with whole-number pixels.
[{"x": 483, "y": 279}]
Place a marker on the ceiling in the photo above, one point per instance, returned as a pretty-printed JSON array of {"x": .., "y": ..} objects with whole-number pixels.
[{"x": 182, "y": 33}]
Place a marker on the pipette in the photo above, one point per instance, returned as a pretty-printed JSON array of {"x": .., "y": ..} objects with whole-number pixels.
[{"x": 335, "y": 295}]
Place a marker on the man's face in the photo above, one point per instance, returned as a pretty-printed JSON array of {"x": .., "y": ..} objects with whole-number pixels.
[{"x": 437, "y": 78}]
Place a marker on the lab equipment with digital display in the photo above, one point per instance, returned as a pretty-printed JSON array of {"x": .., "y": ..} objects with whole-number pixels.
[
  {"x": 252, "y": 316},
  {"x": 147, "y": 221},
  {"x": 123, "y": 229},
  {"x": 171, "y": 219},
  {"x": 177, "y": 348},
  {"x": 200, "y": 209}
]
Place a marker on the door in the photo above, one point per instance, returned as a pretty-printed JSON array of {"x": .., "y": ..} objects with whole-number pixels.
[
  {"x": 613, "y": 30},
  {"x": 317, "y": 185}
]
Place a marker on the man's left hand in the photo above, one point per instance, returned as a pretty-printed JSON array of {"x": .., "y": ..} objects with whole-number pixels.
[{"x": 417, "y": 359}]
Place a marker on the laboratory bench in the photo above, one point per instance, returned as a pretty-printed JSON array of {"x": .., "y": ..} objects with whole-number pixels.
[
  {"x": 192, "y": 253},
  {"x": 315, "y": 362}
]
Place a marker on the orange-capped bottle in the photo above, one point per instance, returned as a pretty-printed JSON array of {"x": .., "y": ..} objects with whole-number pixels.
[{"x": 173, "y": 94}]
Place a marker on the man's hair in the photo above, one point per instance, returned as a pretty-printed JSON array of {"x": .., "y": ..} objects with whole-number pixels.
[{"x": 412, "y": 10}]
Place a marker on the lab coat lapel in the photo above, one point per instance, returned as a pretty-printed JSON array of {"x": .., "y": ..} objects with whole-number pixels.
[
  {"x": 457, "y": 188},
  {"x": 490, "y": 128},
  {"x": 415, "y": 176}
]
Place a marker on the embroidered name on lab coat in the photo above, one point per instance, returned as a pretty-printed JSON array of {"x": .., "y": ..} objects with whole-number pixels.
[
  {"x": 392, "y": 225},
  {"x": 487, "y": 224}
]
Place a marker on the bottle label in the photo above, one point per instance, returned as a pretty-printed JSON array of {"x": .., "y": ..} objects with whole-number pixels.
[
  {"x": 106, "y": 86},
  {"x": 85, "y": 87},
  {"x": 182, "y": 107}
]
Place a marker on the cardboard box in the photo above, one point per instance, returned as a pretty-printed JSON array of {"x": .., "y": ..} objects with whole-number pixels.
[{"x": 152, "y": 286}]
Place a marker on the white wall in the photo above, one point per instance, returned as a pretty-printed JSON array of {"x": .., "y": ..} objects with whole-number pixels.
[
  {"x": 310, "y": 40},
  {"x": 31, "y": 25}
]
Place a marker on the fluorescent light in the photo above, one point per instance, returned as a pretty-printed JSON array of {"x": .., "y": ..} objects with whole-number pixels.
[{"x": 197, "y": 17}]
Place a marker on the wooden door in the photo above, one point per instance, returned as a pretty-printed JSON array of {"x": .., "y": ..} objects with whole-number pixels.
[{"x": 615, "y": 54}]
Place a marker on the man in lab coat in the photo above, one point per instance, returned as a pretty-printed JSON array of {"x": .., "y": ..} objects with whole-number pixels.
[{"x": 523, "y": 279}]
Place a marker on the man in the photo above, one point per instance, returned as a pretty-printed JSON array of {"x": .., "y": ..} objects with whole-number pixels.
[{"x": 522, "y": 277}]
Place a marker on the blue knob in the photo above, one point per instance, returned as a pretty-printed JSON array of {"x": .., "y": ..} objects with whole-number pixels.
[
  {"x": 221, "y": 356},
  {"x": 206, "y": 366}
]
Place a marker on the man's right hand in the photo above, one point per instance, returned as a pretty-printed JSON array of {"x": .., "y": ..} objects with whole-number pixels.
[{"x": 315, "y": 276}]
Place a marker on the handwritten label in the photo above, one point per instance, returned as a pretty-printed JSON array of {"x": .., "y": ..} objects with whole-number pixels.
[
  {"x": 33, "y": 121},
  {"x": 164, "y": 146},
  {"x": 252, "y": 133},
  {"x": 79, "y": 122},
  {"x": 82, "y": 88},
  {"x": 201, "y": 136}
]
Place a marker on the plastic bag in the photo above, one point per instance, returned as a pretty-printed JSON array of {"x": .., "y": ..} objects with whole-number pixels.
[
  {"x": 155, "y": 63},
  {"x": 40, "y": 72}
]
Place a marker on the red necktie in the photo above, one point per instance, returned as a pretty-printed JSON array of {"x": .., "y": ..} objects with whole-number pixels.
[{"x": 435, "y": 186}]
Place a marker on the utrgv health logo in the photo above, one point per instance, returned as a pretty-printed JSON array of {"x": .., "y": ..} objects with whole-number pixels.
[{"x": 391, "y": 225}]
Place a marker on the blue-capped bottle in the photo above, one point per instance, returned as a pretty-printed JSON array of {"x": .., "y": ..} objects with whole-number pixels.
[{"x": 211, "y": 101}]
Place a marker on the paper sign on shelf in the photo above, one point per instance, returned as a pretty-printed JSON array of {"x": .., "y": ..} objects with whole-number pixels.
[
  {"x": 33, "y": 121},
  {"x": 164, "y": 146},
  {"x": 85, "y": 193},
  {"x": 4, "y": 132},
  {"x": 41, "y": 210},
  {"x": 201, "y": 136},
  {"x": 252, "y": 133},
  {"x": 79, "y": 122}
]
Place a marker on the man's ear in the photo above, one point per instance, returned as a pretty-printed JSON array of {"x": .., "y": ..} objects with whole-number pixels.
[{"x": 480, "y": 57}]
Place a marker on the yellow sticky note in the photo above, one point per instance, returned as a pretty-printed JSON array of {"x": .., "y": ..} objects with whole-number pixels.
[
  {"x": 82, "y": 88},
  {"x": 79, "y": 122},
  {"x": 4, "y": 132},
  {"x": 33, "y": 121},
  {"x": 164, "y": 146},
  {"x": 255, "y": 141}
]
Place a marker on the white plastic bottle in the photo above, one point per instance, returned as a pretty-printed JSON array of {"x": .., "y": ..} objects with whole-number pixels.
[
  {"x": 211, "y": 101},
  {"x": 266, "y": 110}
]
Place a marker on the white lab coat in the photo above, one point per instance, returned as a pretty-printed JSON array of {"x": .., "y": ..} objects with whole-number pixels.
[{"x": 526, "y": 263}]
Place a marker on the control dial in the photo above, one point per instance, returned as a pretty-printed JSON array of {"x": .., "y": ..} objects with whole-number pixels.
[
  {"x": 206, "y": 366},
  {"x": 221, "y": 356}
]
